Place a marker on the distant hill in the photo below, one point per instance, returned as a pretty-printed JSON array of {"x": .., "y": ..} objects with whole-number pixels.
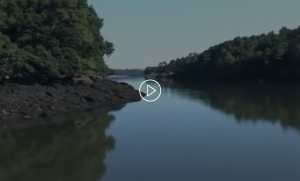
[
  {"x": 272, "y": 56},
  {"x": 131, "y": 72}
]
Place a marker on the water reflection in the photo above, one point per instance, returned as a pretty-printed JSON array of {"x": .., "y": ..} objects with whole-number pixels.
[
  {"x": 66, "y": 150},
  {"x": 246, "y": 102}
]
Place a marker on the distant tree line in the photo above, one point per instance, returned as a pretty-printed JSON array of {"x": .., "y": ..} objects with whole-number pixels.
[
  {"x": 45, "y": 39},
  {"x": 130, "y": 72},
  {"x": 272, "y": 56}
]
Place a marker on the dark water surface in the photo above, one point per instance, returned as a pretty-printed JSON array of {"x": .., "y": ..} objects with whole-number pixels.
[{"x": 194, "y": 132}]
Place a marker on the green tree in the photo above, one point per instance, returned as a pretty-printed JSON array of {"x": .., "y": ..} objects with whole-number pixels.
[
  {"x": 268, "y": 56},
  {"x": 47, "y": 39}
]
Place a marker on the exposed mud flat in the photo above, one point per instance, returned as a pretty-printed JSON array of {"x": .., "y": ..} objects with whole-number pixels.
[{"x": 21, "y": 102}]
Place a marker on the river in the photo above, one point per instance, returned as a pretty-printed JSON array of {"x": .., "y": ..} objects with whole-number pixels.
[{"x": 193, "y": 132}]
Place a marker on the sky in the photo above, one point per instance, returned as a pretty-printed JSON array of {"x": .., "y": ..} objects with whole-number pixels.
[{"x": 146, "y": 32}]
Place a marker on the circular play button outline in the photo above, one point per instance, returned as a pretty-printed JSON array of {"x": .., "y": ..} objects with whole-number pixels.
[{"x": 150, "y": 80}]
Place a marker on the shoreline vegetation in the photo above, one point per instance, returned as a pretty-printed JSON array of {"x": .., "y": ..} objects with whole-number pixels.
[
  {"x": 272, "y": 57},
  {"x": 42, "y": 41},
  {"x": 51, "y": 60}
]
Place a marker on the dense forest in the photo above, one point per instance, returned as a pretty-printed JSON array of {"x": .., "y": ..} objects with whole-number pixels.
[
  {"x": 272, "y": 56},
  {"x": 41, "y": 40}
]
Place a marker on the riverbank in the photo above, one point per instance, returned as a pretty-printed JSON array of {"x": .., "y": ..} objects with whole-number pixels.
[{"x": 30, "y": 101}]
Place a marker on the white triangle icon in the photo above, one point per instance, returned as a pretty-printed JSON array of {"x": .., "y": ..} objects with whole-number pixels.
[{"x": 150, "y": 90}]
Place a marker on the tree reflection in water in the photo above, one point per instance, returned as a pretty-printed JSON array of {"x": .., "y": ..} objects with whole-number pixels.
[
  {"x": 64, "y": 151},
  {"x": 247, "y": 102}
]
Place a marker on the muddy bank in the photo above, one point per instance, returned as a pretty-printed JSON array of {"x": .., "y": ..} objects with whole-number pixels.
[{"x": 30, "y": 101}]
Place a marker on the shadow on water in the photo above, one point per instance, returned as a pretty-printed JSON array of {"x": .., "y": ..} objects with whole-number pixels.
[
  {"x": 71, "y": 148},
  {"x": 247, "y": 102}
]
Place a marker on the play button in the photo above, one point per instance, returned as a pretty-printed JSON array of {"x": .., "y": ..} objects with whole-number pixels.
[{"x": 152, "y": 89}]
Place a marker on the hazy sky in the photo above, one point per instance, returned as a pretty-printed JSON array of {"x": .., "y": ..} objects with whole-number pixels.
[{"x": 146, "y": 32}]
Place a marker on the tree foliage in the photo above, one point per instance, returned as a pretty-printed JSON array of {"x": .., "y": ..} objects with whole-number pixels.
[
  {"x": 268, "y": 56},
  {"x": 44, "y": 39}
]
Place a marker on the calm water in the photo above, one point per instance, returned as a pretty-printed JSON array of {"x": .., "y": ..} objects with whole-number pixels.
[{"x": 193, "y": 132}]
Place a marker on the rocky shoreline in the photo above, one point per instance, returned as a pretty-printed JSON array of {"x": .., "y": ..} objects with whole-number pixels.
[{"x": 77, "y": 94}]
